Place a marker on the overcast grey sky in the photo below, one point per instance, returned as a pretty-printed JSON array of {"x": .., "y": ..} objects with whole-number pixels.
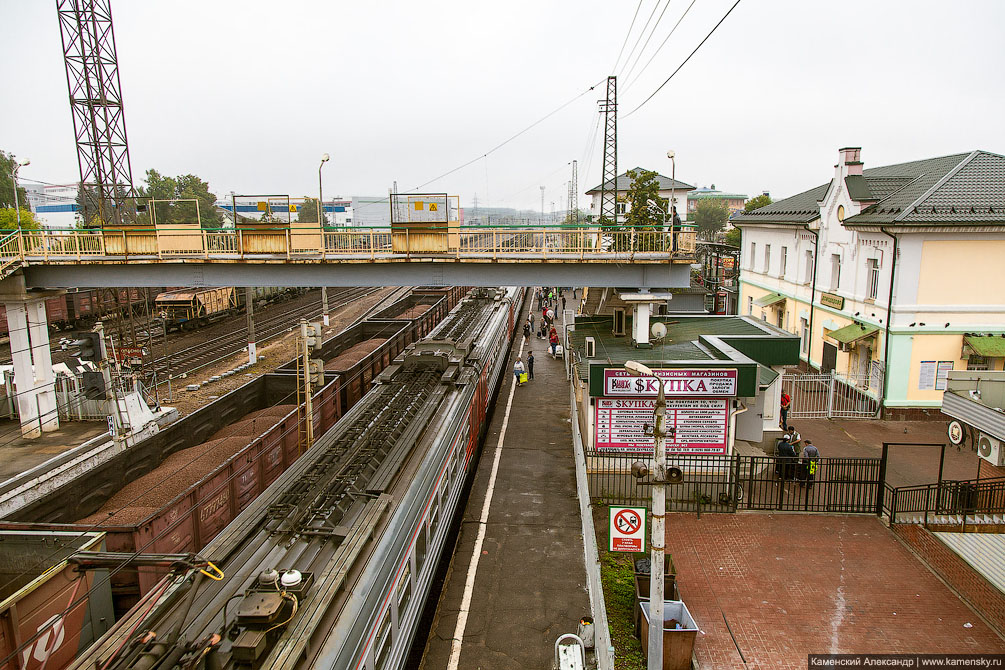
[{"x": 248, "y": 95}]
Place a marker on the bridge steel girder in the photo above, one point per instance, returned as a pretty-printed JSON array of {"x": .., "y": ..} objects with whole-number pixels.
[{"x": 636, "y": 274}]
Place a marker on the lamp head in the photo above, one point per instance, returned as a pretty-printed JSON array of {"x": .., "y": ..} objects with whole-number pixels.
[
  {"x": 324, "y": 158},
  {"x": 636, "y": 369},
  {"x": 671, "y": 154},
  {"x": 24, "y": 161}
]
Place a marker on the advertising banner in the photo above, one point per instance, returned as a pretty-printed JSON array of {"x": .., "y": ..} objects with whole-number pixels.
[
  {"x": 695, "y": 383},
  {"x": 699, "y": 425}
]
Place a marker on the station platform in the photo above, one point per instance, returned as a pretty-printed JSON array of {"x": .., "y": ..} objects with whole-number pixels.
[
  {"x": 21, "y": 453},
  {"x": 517, "y": 580}
]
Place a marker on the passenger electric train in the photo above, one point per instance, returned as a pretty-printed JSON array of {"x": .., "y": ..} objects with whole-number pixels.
[{"x": 331, "y": 566}]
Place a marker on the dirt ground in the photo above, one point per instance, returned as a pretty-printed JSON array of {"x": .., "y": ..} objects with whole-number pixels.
[{"x": 270, "y": 356}]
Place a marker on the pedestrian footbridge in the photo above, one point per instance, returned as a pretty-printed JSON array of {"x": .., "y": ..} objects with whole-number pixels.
[{"x": 314, "y": 256}]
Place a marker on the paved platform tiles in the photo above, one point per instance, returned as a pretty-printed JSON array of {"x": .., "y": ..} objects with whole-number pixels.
[
  {"x": 21, "y": 454},
  {"x": 907, "y": 465},
  {"x": 530, "y": 585},
  {"x": 794, "y": 584}
]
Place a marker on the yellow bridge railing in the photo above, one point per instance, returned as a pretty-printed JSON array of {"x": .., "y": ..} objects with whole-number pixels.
[{"x": 343, "y": 244}]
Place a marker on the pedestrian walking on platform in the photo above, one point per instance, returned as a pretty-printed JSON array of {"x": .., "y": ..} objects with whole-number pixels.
[
  {"x": 526, "y": 331},
  {"x": 786, "y": 404},
  {"x": 563, "y": 303},
  {"x": 811, "y": 461},
  {"x": 531, "y": 321},
  {"x": 553, "y": 341},
  {"x": 518, "y": 371},
  {"x": 530, "y": 365}
]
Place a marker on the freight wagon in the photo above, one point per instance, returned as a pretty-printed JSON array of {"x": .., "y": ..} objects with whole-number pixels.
[
  {"x": 38, "y": 627},
  {"x": 190, "y": 519},
  {"x": 193, "y": 307},
  {"x": 81, "y": 308}
]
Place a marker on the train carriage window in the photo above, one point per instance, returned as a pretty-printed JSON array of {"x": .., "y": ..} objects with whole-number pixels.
[
  {"x": 434, "y": 517},
  {"x": 382, "y": 648},
  {"x": 420, "y": 549},
  {"x": 404, "y": 592}
]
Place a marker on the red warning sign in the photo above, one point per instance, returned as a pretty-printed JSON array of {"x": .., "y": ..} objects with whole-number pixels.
[{"x": 627, "y": 529}]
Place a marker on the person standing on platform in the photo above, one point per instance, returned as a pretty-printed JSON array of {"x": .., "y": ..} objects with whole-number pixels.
[
  {"x": 786, "y": 404},
  {"x": 786, "y": 458},
  {"x": 531, "y": 322},
  {"x": 526, "y": 331},
  {"x": 517, "y": 371},
  {"x": 811, "y": 460},
  {"x": 563, "y": 303},
  {"x": 553, "y": 340},
  {"x": 530, "y": 365}
]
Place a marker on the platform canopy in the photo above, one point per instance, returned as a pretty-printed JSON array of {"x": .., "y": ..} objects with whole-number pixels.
[
  {"x": 770, "y": 299},
  {"x": 853, "y": 333},
  {"x": 988, "y": 346}
]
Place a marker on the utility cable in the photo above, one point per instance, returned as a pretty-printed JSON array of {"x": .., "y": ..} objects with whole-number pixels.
[
  {"x": 660, "y": 47},
  {"x": 651, "y": 95},
  {"x": 510, "y": 139},
  {"x": 652, "y": 32},
  {"x": 639, "y": 38},
  {"x": 627, "y": 35}
]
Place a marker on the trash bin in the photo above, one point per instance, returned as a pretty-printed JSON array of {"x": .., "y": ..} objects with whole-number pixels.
[
  {"x": 678, "y": 643},
  {"x": 642, "y": 594}
]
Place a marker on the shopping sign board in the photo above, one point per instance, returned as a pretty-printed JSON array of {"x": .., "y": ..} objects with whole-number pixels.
[
  {"x": 627, "y": 529},
  {"x": 690, "y": 382},
  {"x": 698, "y": 425}
]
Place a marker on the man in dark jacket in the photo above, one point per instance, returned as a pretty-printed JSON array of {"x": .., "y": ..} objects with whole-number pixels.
[{"x": 786, "y": 458}]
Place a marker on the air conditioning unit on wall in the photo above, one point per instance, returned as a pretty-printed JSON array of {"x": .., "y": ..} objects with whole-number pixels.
[{"x": 990, "y": 449}]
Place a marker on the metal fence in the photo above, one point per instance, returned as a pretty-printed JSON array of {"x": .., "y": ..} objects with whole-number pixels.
[
  {"x": 950, "y": 502},
  {"x": 827, "y": 396},
  {"x": 729, "y": 483}
]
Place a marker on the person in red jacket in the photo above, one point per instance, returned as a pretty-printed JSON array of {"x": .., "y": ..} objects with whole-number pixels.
[
  {"x": 786, "y": 403},
  {"x": 553, "y": 340}
]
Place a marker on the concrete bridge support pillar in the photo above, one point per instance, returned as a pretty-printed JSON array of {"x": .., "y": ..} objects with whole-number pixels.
[{"x": 33, "y": 376}]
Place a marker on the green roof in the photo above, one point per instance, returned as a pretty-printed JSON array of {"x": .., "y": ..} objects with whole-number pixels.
[
  {"x": 989, "y": 346},
  {"x": 770, "y": 299},
  {"x": 959, "y": 189},
  {"x": 765, "y": 375},
  {"x": 852, "y": 332}
]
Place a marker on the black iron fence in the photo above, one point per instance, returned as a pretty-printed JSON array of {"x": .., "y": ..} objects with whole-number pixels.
[
  {"x": 947, "y": 502},
  {"x": 729, "y": 483}
]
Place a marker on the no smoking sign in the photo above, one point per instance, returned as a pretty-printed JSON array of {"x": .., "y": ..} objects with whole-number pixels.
[{"x": 627, "y": 529}]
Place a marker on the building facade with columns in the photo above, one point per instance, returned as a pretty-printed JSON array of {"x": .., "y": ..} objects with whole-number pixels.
[{"x": 889, "y": 275}]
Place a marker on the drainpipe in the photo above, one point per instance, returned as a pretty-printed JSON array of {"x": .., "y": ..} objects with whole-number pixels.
[
  {"x": 889, "y": 314},
  {"x": 813, "y": 295}
]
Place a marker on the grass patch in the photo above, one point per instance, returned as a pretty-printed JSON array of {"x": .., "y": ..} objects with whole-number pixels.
[{"x": 616, "y": 575}]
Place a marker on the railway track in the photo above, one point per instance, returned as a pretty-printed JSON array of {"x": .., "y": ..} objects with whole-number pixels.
[{"x": 199, "y": 356}]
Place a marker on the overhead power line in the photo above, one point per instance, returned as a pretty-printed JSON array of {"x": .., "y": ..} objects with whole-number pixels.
[
  {"x": 627, "y": 35},
  {"x": 660, "y": 47},
  {"x": 639, "y": 38},
  {"x": 510, "y": 139},
  {"x": 660, "y": 87},
  {"x": 652, "y": 32}
]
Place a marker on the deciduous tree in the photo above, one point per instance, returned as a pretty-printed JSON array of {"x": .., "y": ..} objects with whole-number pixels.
[
  {"x": 7, "y": 183},
  {"x": 710, "y": 216},
  {"x": 757, "y": 201}
]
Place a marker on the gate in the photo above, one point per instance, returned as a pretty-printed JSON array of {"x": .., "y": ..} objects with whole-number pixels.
[
  {"x": 829, "y": 395},
  {"x": 729, "y": 483}
]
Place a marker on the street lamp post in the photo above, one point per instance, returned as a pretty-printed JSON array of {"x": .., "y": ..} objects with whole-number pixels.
[
  {"x": 17, "y": 207},
  {"x": 321, "y": 225},
  {"x": 658, "y": 542},
  {"x": 671, "y": 154}
]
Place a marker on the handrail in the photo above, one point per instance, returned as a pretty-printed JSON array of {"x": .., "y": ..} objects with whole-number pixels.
[{"x": 312, "y": 242}]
